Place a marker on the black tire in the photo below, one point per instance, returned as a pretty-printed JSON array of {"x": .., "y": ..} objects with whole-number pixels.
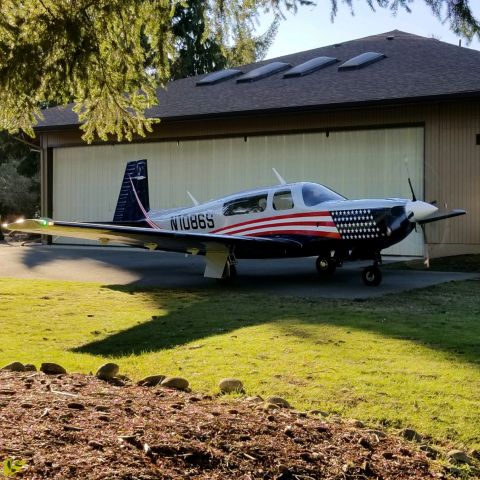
[
  {"x": 229, "y": 275},
  {"x": 372, "y": 276},
  {"x": 325, "y": 266}
]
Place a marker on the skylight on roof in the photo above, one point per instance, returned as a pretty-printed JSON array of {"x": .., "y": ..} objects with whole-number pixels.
[
  {"x": 264, "y": 71},
  {"x": 310, "y": 66},
  {"x": 220, "y": 76},
  {"x": 362, "y": 60}
]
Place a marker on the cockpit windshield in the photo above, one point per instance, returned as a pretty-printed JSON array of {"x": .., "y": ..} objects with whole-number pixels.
[{"x": 313, "y": 194}]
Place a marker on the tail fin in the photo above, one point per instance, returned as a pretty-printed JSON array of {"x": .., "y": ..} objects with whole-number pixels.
[{"x": 133, "y": 202}]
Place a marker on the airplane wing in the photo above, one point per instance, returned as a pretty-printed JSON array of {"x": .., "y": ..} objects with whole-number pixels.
[
  {"x": 442, "y": 215},
  {"x": 182, "y": 242}
]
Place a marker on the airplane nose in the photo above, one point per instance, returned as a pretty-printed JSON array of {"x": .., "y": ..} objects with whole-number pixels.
[{"x": 418, "y": 210}]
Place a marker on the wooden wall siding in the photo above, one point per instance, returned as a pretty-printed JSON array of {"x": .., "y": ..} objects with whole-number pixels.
[
  {"x": 452, "y": 170},
  {"x": 452, "y": 159}
]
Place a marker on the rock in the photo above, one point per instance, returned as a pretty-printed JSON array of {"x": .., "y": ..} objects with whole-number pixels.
[
  {"x": 76, "y": 406},
  {"x": 30, "y": 367},
  {"x": 281, "y": 402},
  {"x": 231, "y": 385},
  {"x": 411, "y": 434},
  {"x": 355, "y": 423},
  {"x": 175, "y": 382},
  {"x": 256, "y": 399},
  {"x": 115, "y": 381},
  {"x": 107, "y": 371},
  {"x": 301, "y": 414},
  {"x": 459, "y": 456},
  {"x": 318, "y": 412},
  {"x": 52, "y": 369},
  {"x": 431, "y": 452},
  {"x": 151, "y": 381},
  {"x": 14, "y": 367}
]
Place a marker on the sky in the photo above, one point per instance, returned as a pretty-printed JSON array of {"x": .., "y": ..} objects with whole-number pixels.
[{"x": 311, "y": 26}]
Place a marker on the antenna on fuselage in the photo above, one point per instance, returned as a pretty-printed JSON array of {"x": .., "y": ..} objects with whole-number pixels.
[
  {"x": 193, "y": 199},
  {"x": 280, "y": 178}
]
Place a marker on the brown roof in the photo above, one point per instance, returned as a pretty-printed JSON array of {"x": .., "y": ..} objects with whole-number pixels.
[{"x": 415, "y": 68}]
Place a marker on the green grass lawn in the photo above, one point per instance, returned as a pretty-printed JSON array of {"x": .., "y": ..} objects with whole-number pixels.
[{"x": 409, "y": 360}]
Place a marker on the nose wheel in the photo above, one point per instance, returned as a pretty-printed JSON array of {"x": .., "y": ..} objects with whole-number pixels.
[{"x": 372, "y": 276}]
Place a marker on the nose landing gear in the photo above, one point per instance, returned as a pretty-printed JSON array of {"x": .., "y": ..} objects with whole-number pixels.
[{"x": 372, "y": 276}]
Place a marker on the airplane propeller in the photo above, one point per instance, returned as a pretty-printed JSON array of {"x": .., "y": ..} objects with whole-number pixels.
[{"x": 418, "y": 211}]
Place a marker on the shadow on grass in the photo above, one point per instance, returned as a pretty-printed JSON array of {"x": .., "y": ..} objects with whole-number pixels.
[{"x": 444, "y": 318}]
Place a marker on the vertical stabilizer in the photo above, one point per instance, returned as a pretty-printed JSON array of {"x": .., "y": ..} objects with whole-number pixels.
[{"x": 133, "y": 201}]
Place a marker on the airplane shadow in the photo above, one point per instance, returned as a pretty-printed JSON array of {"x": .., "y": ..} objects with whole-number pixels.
[
  {"x": 438, "y": 328},
  {"x": 435, "y": 325}
]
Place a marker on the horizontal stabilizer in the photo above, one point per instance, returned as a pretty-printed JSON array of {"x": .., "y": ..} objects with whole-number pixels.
[{"x": 439, "y": 215}]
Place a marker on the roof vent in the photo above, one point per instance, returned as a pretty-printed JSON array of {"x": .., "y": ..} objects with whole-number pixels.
[
  {"x": 220, "y": 76},
  {"x": 264, "y": 71},
  {"x": 310, "y": 66},
  {"x": 361, "y": 61}
]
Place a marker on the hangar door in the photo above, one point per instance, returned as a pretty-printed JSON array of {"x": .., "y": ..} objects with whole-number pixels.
[{"x": 356, "y": 163}]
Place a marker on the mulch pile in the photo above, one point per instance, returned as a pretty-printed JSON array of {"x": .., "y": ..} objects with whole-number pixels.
[{"x": 76, "y": 426}]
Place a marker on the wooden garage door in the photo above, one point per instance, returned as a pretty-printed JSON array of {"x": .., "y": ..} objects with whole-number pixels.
[{"x": 356, "y": 163}]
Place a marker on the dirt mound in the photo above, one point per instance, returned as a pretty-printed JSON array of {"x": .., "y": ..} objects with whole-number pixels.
[{"x": 76, "y": 426}]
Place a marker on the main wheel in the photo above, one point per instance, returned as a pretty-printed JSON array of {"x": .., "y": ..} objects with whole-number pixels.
[
  {"x": 229, "y": 274},
  {"x": 372, "y": 276},
  {"x": 325, "y": 266}
]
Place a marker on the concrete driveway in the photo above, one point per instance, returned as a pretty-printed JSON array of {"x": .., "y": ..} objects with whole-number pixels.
[{"x": 121, "y": 266}]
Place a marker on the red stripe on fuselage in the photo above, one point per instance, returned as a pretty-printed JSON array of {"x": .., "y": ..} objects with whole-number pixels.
[
  {"x": 267, "y": 219},
  {"x": 282, "y": 224}
]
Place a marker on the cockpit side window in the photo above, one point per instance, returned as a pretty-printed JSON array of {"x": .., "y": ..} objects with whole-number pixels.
[
  {"x": 242, "y": 206},
  {"x": 283, "y": 200},
  {"x": 313, "y": 194}
]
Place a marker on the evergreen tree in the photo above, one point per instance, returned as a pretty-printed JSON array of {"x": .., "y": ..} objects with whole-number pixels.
[
  {"x": 19, "y": 178},
  {"x": 92, "y": 53}
]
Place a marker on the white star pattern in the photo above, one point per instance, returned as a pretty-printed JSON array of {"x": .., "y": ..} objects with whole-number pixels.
[{"x": 356, "y": 224}]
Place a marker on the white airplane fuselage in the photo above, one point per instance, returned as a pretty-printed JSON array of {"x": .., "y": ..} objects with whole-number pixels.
[{"x": 283, "y": 212}]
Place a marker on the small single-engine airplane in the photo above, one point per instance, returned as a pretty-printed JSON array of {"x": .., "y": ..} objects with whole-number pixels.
[{"x": 287, "y": 220}]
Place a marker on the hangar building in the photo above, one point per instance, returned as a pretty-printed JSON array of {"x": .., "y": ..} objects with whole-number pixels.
[{"x": 345, "y": 115}]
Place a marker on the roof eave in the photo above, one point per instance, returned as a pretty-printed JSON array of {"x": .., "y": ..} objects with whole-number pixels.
[{"x": 296, "y": 109}]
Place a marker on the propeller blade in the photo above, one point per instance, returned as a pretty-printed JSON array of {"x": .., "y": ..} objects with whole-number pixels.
[
  {"x": 414, "y": 198},
  {"x": 426, "y": 259}
]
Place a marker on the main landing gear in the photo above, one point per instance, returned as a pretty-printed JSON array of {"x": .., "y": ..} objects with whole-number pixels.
[
  {"x": 229, "y": 273},
  {"x": 326, "y": 266}
]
